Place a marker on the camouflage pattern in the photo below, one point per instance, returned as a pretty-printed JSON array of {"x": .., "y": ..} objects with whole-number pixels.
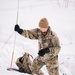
[
  {"x": 50, "y": 59},
  {"x": 24, "y": 63},
  {"x": 51, "y": 65}
]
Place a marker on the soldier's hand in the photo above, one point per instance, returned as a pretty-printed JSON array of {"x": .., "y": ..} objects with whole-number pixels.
[
  {"x": 18, "y": 29},
  {"x": 43, "y": 51}
]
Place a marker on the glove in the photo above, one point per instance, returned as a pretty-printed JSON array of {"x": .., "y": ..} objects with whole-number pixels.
[
  {"x": 18, "y": 29},
  {"x": 43, "y": 51}
]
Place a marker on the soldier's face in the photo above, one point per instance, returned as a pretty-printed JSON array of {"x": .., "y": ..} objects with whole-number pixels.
[{"x": 43, "y": 29}]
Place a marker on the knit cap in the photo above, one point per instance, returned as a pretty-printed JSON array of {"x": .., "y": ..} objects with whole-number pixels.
[{"x": 43, "y": 23}]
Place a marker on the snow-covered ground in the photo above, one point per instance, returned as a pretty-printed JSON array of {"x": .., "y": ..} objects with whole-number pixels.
[
  {"x": 66, "y": 60},
  {"x": 61, "y": 20}
]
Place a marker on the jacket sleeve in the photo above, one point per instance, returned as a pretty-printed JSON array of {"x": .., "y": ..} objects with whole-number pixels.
[
  {"x": 31, "y": 34},
  {"x": 54, "y": 50}
]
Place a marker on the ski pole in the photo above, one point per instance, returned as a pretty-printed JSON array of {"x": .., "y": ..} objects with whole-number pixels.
[{"x": 14, "y": 38}]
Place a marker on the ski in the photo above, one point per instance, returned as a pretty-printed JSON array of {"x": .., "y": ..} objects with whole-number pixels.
[{"x": 12, "y": 69}]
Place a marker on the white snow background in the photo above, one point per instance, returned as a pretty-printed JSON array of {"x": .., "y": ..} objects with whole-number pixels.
[{"x": 61, "y": 17}]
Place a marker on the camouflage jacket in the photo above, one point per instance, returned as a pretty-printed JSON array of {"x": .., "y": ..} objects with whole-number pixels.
[{"x": 49, "y": 39}]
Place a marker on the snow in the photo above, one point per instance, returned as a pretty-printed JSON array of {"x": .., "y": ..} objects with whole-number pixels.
[
  {"x": 66, "y": 60},
  {"x": 61, "y": 20}
]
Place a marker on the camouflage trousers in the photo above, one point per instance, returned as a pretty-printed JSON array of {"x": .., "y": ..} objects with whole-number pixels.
[
  {"x": 25, "y": 64},
  {"x": 50, "y": 62}
]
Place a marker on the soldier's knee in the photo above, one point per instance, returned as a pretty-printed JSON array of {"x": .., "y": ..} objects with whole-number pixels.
[{"x": 18, "y": 63}]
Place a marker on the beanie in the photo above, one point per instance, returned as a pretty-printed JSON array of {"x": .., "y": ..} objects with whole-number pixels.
[{"x": 43, "y": 23}]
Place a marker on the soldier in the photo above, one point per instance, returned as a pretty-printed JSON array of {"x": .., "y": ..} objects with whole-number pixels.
[{"x": 49, "y": 47}]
